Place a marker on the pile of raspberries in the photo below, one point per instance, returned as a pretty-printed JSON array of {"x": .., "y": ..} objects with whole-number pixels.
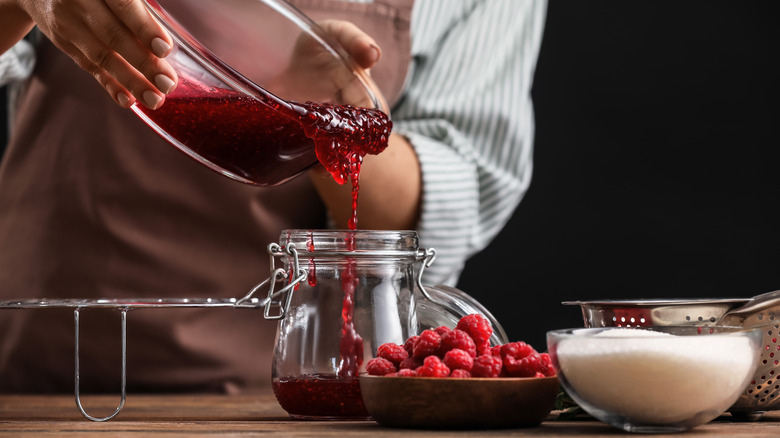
[{"x": 461, "y": 352}]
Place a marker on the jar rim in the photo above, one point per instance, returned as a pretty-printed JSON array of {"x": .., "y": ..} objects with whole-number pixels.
[{"x": 354, "y": 242}]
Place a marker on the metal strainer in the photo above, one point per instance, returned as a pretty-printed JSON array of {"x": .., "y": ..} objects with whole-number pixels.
[{"x": 763, "y": 392}]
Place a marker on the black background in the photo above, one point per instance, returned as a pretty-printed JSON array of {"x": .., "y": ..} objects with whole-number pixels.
[{"x": 656, "y": 162}]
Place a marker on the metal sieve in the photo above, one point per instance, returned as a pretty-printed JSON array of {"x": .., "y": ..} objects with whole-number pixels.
[{"x": 763, "y": 392}]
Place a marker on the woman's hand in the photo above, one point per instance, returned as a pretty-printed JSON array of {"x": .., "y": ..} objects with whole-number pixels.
[
  {"x": 315, "y": 74},
  {"x": 117, "y": 41}
]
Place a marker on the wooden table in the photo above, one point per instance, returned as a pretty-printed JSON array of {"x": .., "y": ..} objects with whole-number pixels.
[{"x": 260, "y": 415}]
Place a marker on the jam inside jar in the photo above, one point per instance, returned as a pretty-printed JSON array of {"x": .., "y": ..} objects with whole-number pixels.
[
  {"x": 356, "y": 291},
  {"x": 341, "y": 294}
]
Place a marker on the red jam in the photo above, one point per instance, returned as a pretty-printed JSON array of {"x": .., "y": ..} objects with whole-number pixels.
[
  {"x": 351, "y": 344},
  {"x": 269, "y": 141},
  {"x": 320, "y": 397}
]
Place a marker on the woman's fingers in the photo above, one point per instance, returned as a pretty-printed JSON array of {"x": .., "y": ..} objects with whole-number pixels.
[
  {"x": 365, "y": 52},
  {"x": 117, "y": 41},
  {"x": 360, "y": 46},
  {"x": 137, "y": 19},
  {"x": 125, "y": 56}
]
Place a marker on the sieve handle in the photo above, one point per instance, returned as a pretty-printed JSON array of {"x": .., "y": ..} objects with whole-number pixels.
[
  {"x": 124, "y": 368},
  {"x": 759, "y": 303}
]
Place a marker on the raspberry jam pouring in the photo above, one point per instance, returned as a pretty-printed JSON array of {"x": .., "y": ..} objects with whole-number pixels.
[
  {"x": 263, "y": 142},
  {"x": 342, "y": 136},
  {"x": 268, "y": 141},
  {"x": 351, "y": 345}
]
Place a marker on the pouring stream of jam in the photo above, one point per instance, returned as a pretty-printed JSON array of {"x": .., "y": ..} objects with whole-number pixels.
[{"x": 265, "y": 142}]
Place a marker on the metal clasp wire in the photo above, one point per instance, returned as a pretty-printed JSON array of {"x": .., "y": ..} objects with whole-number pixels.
[
  {"x": 124, "y": 368},
  {"x": 277, "y": 274},
  {"x": 428, "y": 256}
]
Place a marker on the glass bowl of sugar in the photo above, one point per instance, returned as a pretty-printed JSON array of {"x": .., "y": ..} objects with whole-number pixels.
[{"x": 655, "y": 379}]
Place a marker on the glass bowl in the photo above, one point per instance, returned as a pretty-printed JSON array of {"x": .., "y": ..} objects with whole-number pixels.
[
  {"x": 246, "y": 69},
  {"x": 655, "y": 379}
]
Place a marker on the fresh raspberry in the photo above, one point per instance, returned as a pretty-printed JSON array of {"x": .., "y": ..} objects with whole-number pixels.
[
  {"x": 513, "y": 354},
  {"x": 406, "y": 372},
  {"x": 409, "y": 344},
  {"x": 538, "y": 374},
  {"x": 477, "y": 326},
  {"x": 460, "y": 374},
  {"x": 433, "y": 367},
  {"x": 442, "y": 330},
  {"x": 515, "y": 351},
  {"x": 458, "y": 339},
  {"x": 428, "y": 344},
  {"x": 496, "y": 350},
  {"x": 410, "y": 363},
  {"x": 485, "y": 349},
  {"x": 546, "y": 366},
  {"x": 525, "y": 367},
  {"x": 458, "y": 359},
  {"x": 393, "y": 352},
  {"x": 486, "y": 366},
  {"x": 379, "y": 367}
]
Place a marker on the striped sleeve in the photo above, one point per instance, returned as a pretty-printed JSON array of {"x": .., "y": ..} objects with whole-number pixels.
[
  {"x": 16, "y": 63},
  {"x": 468, "y": 113}
]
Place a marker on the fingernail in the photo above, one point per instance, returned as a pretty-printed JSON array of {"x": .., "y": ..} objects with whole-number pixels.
[
  {"x": 376, "y": 53},
  {"x": 164, "y": 83},
  {"x": 152, "y": 99},
  {"x": 123, "y": 99},
  {"x": 160, "y": 47}
]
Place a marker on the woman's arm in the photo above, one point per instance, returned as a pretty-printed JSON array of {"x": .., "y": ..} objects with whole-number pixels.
[
  {"x": 14, "y": 24},
  {"x": 467, "y": 111}
]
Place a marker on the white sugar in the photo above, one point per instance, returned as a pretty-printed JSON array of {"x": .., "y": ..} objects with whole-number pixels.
[
  {"x": 656, "y": 377},
  {"x": 625, "y": 332}
]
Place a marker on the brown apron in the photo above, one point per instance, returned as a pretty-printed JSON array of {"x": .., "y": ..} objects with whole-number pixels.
[{"x": 94, "y": 204}]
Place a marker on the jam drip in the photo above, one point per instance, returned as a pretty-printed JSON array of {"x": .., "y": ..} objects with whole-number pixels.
[
  {"x": 351, "y": 344},
  {"x": 342, "y": 136}
]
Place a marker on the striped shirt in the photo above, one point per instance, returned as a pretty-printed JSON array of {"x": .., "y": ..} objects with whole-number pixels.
[
  {"x": 466, "y": 110},
  {"x": 469, "y": 116}
]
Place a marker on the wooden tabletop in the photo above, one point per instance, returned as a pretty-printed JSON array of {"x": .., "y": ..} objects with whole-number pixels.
[{"x": 260, "y": 415}]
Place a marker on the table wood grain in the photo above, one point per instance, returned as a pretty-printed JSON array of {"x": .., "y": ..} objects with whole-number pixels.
[{"x": 259, "y": 415}]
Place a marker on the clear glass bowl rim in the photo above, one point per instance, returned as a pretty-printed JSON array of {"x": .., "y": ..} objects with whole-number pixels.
[
  {"x": 230, "y": 76},
  {"x": 678, "y": 330}
]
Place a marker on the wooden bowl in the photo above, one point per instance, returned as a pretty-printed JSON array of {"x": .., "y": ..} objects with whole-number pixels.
[{"x": 447, "y": 403}]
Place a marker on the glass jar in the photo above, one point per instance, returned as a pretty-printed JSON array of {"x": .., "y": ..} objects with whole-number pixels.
[{"x": 341, "y": 295}]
